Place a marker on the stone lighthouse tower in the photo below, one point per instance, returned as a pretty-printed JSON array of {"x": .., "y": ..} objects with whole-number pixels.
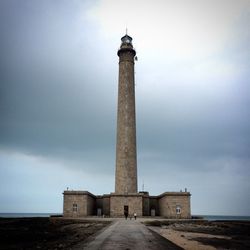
[
  {"x": 126, "y": 163},
  {"x": 126, "y": 200}
]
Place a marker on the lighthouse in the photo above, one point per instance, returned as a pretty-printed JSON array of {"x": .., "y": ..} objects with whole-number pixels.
[
  {"x": 126, "y": 200},
  {"x": 126, "y": 160}
]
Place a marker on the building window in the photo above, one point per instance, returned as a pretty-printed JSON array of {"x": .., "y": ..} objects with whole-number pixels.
[
  {"x": 74, "y": 207},
  {"x": 178, "y": 209}
]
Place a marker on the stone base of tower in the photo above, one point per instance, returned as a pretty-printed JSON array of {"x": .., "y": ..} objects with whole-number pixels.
[
  {"x": 174, "y": 205},
  {"x": 132, "y": 203}
]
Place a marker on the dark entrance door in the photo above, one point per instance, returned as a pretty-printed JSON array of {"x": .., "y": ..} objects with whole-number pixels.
[{"x": 126, "y": 211}]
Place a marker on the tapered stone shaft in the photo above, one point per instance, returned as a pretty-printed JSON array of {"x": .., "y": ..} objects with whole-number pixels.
[{"x": 126, "y": 162}]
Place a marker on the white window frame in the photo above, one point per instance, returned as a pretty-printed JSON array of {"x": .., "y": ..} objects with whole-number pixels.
[{"x": 178, "y": 209}]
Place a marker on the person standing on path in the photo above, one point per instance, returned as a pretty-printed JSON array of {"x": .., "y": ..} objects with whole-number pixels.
[
  {"x": 126, "y": 214},
  {"x": 135, "y": 215}
]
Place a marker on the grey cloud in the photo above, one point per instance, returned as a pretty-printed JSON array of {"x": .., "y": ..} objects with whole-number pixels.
[
  {"x": 52, "y": 98},
  {"x": 58, "y": 95}
]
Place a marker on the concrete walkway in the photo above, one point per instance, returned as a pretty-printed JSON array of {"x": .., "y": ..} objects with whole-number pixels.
[{"x": 127, "y": 235}]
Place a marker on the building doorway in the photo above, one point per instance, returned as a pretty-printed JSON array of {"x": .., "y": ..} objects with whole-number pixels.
[
  {"x": 152, "y": 212},
  {"x": 126, "y": 211},
  {"x": 99, "y": 212}
]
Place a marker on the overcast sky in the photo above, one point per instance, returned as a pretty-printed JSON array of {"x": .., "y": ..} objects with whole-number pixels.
[{"x": 58, "y": 98}]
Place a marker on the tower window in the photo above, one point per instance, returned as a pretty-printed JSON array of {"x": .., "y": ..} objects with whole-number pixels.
[
  {"x": 178, "y": 209},
  {"x": 74, "y": 207}
]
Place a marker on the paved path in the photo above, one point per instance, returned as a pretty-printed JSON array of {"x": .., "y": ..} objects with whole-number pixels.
[{"x": 127, "y": 235}]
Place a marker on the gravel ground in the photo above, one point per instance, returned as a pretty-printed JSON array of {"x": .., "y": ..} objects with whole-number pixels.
[
  {"x": 45, "y": 233},
  {"x": 204, "y": 234}
]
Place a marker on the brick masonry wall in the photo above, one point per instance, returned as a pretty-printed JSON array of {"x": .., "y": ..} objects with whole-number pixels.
[
  {"x": 103, "y": 202},
  {"x": 113, "y": 205},
  {"x": 168, "y": 204},
  {"x": 145, "y": 206},
  {"x": 154, "y": 204},
  {"x": 117, "y": 203},
  {"x": 126, "y": 162},
  {"x": 99, "y": 202},
  {"x": 106, "y": 205},
  {"x": 85, "y": 204},
  {"x": 69, "y": 200},
  {"x": 91, "y": 208}
]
